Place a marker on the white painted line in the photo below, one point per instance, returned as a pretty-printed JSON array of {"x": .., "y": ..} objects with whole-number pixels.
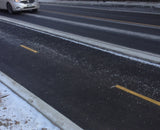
[
  {"x": 101, "y": 28},
  {"x": 122, "y": 22},
  {"x": 129, "y": 53},
  {"x": 49, "y": 112},
  {"x": 93, "y": 8}
]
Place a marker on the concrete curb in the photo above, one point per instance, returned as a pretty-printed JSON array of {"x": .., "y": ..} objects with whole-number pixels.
[
  {"x": 107, "y": 3},
  {"x": 50, "y": 113}
]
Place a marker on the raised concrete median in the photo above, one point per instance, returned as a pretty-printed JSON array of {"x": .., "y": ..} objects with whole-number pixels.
[{"x": 107, "y": 3}]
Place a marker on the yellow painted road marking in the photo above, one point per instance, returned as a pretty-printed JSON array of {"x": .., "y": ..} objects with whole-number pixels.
[
  {"x": 29, "y": 49},
  {"x": 98, "y": 18},
  {"x": 138, "y": 95}
]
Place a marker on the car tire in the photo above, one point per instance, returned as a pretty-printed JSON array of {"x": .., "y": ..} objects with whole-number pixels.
[{"x": 9, "y": 8}]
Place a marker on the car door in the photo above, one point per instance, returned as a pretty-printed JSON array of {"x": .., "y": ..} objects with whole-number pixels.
[
  {"x": 3, "y": 4},
  {"x": 0, "y": 4}
]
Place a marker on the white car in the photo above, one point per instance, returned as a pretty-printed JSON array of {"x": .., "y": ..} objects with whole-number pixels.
[{"x": 19, "y": 5}]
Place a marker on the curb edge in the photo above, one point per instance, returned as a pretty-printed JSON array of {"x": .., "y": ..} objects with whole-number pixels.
[{"x": 46, "y": 110}]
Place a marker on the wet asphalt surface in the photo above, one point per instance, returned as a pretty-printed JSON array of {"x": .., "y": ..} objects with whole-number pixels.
[{"x": 77, "y": 80}]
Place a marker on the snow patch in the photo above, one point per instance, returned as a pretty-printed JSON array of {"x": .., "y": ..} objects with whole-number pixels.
[{"x": 16, "y": 114}]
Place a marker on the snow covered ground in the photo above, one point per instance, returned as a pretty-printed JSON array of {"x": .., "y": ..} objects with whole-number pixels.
[
  {"x": 109, "y": 3},
  {"x": 17, "y": 114}
]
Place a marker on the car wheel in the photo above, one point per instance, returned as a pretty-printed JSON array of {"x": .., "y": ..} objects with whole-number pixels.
[{"x": 9, "y": 8}]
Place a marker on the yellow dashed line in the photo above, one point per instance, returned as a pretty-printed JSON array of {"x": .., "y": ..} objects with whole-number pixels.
[
  {"x": 138, "y": 95},
  {"x": 29, "y": 49}
]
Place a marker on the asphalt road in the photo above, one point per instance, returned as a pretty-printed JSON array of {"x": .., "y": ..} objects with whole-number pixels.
[
  {"x": 77, "y": 80},
  {"x": 114, "y": 20}
]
